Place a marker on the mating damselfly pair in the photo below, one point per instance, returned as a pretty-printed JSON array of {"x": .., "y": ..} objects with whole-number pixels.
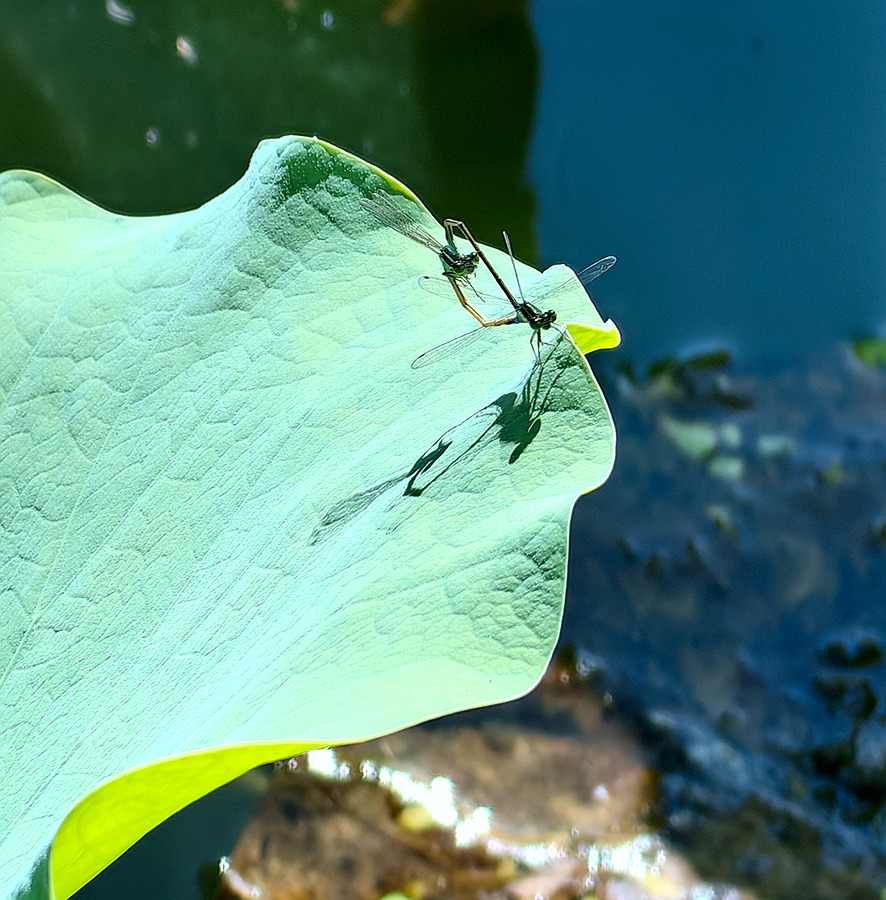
[{"x": 459, "y": 268}]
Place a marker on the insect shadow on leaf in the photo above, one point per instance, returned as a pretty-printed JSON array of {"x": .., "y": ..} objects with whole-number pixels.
[
  {"x": 514, "y": 419},
  {"x": 517, "y": 420}
]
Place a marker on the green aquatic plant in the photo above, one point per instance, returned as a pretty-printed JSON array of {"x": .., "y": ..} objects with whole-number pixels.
[
  {"x": 234, "y": 522},
  {"x": 870, "y": 350}
]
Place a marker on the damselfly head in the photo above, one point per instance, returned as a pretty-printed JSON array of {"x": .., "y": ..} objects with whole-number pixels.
[
  {"x": 459, "y": 265},
  {"x": 546, "y": 319}
]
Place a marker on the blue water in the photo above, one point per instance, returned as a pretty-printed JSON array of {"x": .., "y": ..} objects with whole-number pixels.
[{"x": 732, "y": 156}]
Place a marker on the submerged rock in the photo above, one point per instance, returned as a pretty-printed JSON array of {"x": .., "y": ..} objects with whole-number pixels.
[{"x": 740, "y": 623}]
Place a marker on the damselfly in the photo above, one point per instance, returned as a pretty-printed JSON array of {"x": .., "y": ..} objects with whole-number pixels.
[
  {"x": 524, "y": 310},
  {"x": 457, "y": 266}
]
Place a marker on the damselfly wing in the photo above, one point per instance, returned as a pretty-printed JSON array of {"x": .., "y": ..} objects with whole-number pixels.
[
  {"x": 535, "y": 293},
  {"x": 387, "y": 212},
  {"x": 524, "y": 310}
]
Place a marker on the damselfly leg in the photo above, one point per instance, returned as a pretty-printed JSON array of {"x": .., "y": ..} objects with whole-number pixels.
[{"x": 457, "y": 266}]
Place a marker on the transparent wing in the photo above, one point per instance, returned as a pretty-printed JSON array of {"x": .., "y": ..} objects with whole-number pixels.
[
  {"x": 585, "y": 276},
  {"x": 595, "y": 270},
  {"x": 441, "y": 351},
  {"x": 440, "y": 286},
  {"x": 383, "y": 208}
]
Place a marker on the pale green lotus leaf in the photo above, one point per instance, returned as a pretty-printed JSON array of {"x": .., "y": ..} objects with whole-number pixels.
[{"x": 234, "y": 521}]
